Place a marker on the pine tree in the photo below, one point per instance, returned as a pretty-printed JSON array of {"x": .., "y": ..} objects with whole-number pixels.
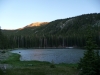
[
  {"x": 88, "y": 64},
  {"x": 97, "y": 63}
]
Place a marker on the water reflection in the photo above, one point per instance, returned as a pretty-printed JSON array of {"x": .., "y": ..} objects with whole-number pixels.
[{"x": 55, "y": 55}]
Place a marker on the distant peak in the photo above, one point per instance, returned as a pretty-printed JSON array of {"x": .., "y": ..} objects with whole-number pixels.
[{"x": 37, "y": 24}]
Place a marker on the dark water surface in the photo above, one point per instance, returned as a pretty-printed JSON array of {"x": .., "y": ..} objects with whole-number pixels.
[{"x": 55, "y": 55}]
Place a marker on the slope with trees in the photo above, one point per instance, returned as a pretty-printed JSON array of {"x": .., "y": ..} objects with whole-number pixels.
[{"x": 59, "y": 33}]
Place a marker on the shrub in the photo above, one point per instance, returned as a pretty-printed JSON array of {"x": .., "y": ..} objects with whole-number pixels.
[{"x": 52, "y": 65}]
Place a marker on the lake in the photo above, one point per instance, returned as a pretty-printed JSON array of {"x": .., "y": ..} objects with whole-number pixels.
[{"x": 55, "y": 55}]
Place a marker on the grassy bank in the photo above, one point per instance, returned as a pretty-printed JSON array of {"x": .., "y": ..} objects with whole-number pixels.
[{"x": 37, "y": 67}]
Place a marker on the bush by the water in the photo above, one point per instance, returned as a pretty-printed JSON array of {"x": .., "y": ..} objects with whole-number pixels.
[{"x": 52, "y": 66}]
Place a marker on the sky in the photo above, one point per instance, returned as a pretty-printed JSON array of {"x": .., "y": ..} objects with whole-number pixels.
[{"x": 16, "y": 14}]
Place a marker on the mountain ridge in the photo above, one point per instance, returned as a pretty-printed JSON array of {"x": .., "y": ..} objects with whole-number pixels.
[
  {"x": 65, "y": 26},
  {"x": 60, "y": 33}
]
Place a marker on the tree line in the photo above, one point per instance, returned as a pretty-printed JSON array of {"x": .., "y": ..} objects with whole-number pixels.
[
  {"x": 3, "y": 41},
  {"x": 21, "y": 41}
]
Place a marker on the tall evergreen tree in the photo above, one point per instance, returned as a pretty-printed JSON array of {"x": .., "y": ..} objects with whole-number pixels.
[{"x": 88, "y": 64}]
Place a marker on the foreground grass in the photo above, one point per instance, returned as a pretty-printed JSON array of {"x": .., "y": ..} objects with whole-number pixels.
[{"x": 37, "y": 67}]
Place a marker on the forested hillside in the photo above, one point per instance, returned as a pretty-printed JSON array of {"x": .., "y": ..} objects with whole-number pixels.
[
  {"x": 60, "y": 33},
  {"x": 3, "y": 41}
]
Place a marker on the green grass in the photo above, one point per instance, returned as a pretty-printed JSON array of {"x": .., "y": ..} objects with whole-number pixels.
[
  {"x": 37, "y": 67},
  {"x": 12, "y": 58}
]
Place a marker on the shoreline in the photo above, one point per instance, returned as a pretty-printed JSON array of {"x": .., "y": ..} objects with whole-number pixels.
[{"x": 69, "y": 47}]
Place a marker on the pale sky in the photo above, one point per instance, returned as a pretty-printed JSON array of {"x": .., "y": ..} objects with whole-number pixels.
[{"x": 19, "y": 13}]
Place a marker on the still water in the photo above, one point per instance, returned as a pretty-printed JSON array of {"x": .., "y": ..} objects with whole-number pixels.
[{"x": 55, "y": 55}]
